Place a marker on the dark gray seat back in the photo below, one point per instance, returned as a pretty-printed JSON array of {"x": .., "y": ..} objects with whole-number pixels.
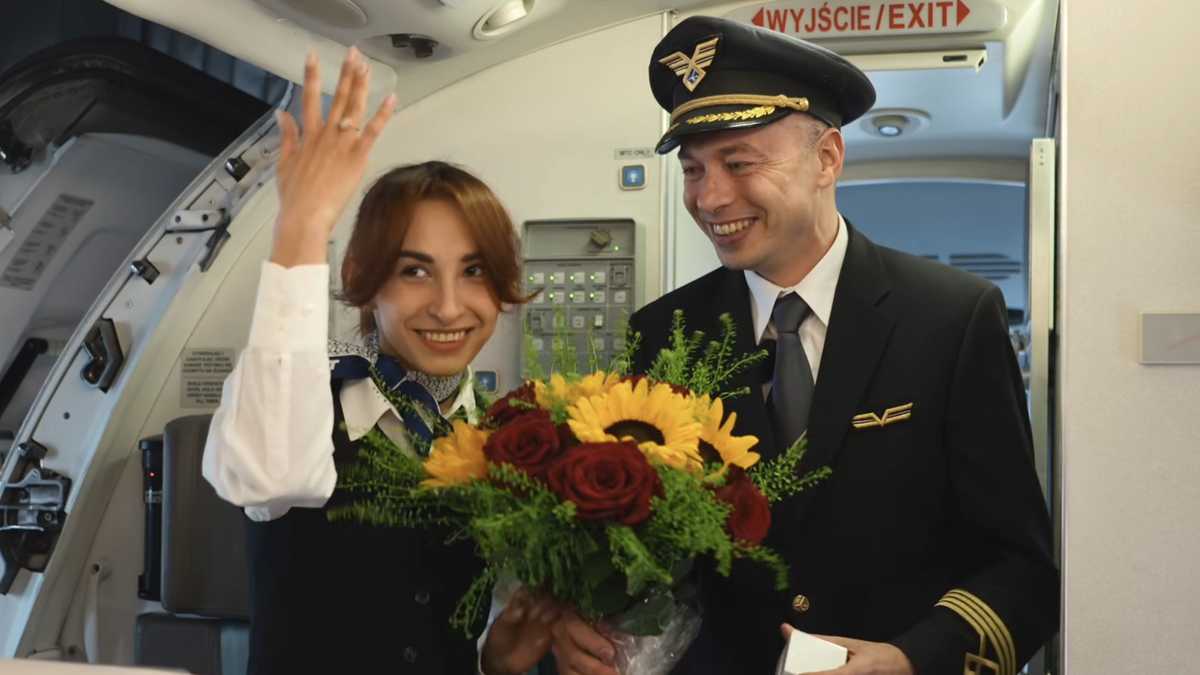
[
  {"x": 204, "y": 589},
  {"x": 204, "y": 537}
]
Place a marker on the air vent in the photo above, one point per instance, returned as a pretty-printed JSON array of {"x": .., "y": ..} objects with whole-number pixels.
[
  {"x": 990, "y": 266},
  {"x": 502, "y": 18}
]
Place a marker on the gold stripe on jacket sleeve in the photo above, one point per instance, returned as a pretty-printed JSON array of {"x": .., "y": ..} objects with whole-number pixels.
[
  {"x": 1005, "y": 637},
  {"x": 989, "y": 632}
]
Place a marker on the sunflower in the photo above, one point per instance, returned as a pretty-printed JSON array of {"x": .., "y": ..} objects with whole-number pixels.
[
  {"x": 717, "y": 442},
  {"x": 660, "y": 421},
  {"x": 456, "y": 458},
  {"x": 560, "y": 390}
]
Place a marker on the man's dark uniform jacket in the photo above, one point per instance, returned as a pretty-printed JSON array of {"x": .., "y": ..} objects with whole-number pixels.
[{"x": 932, "y": 533}]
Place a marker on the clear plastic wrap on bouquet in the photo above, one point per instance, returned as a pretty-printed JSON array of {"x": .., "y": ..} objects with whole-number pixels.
[{"x": 658, "y": 653}]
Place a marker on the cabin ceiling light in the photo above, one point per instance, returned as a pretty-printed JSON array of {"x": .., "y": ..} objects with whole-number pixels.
[
  {"x": 502, "y": 18},
  {"x": 891, "y": 125},
  {"x": 894, "y": 123}
]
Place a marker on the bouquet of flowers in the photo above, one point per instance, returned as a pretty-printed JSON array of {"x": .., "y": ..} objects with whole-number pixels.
[{"x": 602, "y": 489}]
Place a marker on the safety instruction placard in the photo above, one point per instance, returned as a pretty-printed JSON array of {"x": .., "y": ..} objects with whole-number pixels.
[
  {"x": 44, "y": 242},
  {"x": 202, "y": 373},
  {"x": 865, "y": 18}
]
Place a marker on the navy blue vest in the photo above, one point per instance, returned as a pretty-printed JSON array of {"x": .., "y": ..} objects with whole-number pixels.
[{"x": 350, "y": 598}]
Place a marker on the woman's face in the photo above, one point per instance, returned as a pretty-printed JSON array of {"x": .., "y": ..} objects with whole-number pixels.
[{"x": 438, "y": 308}]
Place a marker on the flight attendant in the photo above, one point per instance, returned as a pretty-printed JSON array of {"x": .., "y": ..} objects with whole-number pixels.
[{"x": 430, "y": 262}]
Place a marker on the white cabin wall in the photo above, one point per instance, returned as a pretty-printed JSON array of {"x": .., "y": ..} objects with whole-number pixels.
[
  {"x": 541, "y": 130},
  {"x": 1129, "y": 242}
]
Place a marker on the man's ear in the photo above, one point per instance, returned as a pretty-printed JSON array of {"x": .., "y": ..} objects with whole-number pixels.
[{"x": 831, "y": 153}]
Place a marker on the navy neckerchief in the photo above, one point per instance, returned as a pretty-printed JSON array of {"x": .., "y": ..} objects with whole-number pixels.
[{"x": 395, "y": 380}]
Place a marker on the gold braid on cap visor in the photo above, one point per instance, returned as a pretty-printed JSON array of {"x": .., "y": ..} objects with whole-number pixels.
[{"x": 781, "y": 101}]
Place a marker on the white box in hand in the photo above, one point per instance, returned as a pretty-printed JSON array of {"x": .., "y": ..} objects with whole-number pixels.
[{"x": 807, "y": 654}]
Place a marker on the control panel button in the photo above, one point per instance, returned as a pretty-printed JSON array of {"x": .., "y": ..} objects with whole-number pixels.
[
  {"x": 487, "y": 380},
  {"x": 558, "y": 278},
  {"x": 620, "y": 297}
]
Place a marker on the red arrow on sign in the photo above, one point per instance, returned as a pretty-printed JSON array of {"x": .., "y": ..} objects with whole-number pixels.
[
  {"x": 963, "y": 12},
  {"x": 758, "y": 17}
]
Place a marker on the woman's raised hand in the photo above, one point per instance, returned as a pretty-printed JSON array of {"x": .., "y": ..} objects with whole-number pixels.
[{"x": 322, "y": 163}]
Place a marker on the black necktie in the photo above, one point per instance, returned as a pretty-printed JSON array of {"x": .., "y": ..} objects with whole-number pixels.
[{"x": 792, "y": 383}]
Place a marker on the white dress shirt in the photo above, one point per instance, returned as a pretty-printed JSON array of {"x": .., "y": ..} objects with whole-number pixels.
[
  {"x": 816, "y": 289},
  {"x": 270, "y": 445}
]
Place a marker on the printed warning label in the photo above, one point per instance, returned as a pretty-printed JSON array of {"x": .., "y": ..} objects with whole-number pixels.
[
  {"x": 44, "y": 242},
  {"x": 202, "y": 374}
]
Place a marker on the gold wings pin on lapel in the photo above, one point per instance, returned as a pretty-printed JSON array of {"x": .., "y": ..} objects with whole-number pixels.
[
  {"x": 692, "y": 70},
  {"x": 892, "y": 415}
]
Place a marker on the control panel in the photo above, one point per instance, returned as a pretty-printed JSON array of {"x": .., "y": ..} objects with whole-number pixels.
[{"x": 583, "y": 272}]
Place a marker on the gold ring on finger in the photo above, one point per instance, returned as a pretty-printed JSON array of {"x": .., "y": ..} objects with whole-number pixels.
[{"x": 346, "y": 123}]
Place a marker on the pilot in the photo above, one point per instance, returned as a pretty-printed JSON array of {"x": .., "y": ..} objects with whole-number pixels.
[
  {"x": 431, "y": 258},
  {"x": 928, "y": 549}
]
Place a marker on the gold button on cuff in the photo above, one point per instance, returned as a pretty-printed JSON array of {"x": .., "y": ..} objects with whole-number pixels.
[{"x": 801, "y": 604}]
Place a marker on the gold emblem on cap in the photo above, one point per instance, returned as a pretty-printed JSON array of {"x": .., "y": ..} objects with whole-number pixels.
[{"x": 692, "y": 70}]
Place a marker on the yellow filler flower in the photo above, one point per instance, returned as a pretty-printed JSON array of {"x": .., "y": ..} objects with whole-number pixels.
[
  {"x": 569, "y": 391},
  {"x": 457, "y": 458}
]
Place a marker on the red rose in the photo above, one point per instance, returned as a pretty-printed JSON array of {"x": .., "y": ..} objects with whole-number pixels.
[
  {"x": 529, "y": 442},
  {"x": 566, "y": 437},
  {"x": 515, "y": 403},
  {"x": 751, "y": 515},
  {"x": 606, "y": 481}
]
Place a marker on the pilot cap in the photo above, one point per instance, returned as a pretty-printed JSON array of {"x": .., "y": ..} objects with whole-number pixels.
[{"x": 713, "y": 74}]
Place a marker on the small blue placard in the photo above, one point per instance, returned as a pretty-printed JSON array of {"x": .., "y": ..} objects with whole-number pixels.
[
  {"x": 633, "y": 177},
  {"x": 486, "y": 379}
]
